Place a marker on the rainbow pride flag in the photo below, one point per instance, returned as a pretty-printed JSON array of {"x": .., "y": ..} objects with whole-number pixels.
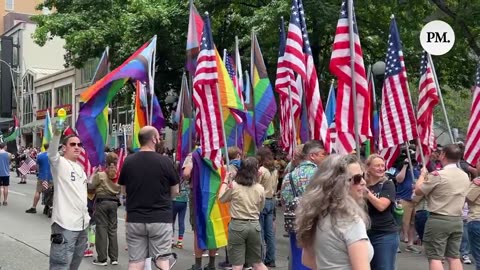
[
  {"x": 47, "y": 131},
  {"x": 211, "y": 216},
  {"x": 265, "y": 106},
  {"x": 158, "y": 121},
  {"x": 228, "y": 94},
  {"x": 91, "y": 128},
  {"x": 140, "y": 117},
  {"x": 184, "y": 118}
]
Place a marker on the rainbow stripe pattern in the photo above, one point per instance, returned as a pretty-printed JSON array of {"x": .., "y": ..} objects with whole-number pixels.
[
  {"x": 140, "y": 117},
  {"x": 211, "y": 216},
  {"x": 91, "y": 125},
  {"x": 265, "y": 105}
]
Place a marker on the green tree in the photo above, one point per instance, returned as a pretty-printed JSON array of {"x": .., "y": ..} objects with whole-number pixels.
[{"x": 88, "y": 26}]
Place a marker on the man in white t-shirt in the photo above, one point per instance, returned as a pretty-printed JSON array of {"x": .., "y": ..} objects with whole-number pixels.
[{"x": 70, "y": 217}]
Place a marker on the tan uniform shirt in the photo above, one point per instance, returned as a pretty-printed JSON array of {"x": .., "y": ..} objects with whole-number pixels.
[
  {"x": 445, "y": 191},
  {"x": 104, "y": 186},
  {"x": 473, "y": 200},
  {"x": 269, "y": 181},
  {"x": 245, "y": 202}
]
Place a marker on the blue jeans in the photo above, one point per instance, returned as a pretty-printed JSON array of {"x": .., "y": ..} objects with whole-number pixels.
[
  {"x": 474, "y": 236},
  {"x": 295, "y": 255},
  {"x": 385, "y": 245},
  {"x": 268, "y": 236},
  {"x": 420, "y": 220},
  {"x": 179, "y": 208},
  {"x": 67, "y": 254},
  {"x": 464, "y": 250}
]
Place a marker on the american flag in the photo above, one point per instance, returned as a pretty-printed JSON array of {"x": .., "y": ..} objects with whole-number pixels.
[
  {"x": 472, "y": 143},
  {"x": 390, "y": 155},
  {"x": 340, "y": 67},
  {"x": 397, "y": 119},
  {"x": 206, "y": 99},
  {"x": 285, "y": 76},
  {"x": 316, "y": 115},
  {"x": 427, "y": 100},
  {"x": 27, "y": 166},
  {"x": 83, "y": 158}
]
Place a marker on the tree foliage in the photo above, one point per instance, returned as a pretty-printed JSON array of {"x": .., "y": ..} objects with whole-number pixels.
[{"x": 88, "y": 26}]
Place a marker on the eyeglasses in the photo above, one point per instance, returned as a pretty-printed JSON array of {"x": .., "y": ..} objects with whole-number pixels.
[
  {"x": 72, "y": 144},
  {"x": 357, "y": 178}
]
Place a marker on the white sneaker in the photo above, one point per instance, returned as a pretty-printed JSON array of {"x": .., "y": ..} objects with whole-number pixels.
[
  {"x": 114, "y": 262},
  {"x": 466, "y": 259}
]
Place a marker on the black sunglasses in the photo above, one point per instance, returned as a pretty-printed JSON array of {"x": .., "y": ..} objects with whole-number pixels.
[
  {"x": 357, "y": 178},
  {"x": 72, "y": 144}
]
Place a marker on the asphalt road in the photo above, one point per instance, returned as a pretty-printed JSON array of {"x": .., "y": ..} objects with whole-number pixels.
[{"x": 24, "y": 238}]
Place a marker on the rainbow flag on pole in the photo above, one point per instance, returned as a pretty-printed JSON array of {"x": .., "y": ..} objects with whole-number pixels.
[
  {"x": 140, "y": 116},
  {"x": 211, "y": 216},
  {"x": 97, "y": 97},
  {"x": 47, "y": 131}
]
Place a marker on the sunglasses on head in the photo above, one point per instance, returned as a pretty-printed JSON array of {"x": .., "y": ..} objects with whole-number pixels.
[
  {"x": 357, "y": 178},
  {"x": 72, "y": 144}
]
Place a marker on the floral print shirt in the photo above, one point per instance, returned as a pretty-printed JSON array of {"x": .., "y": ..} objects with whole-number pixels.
[{"x": 301, "y": 177}]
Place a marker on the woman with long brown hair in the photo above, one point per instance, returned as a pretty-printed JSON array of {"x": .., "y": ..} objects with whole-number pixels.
[
  {"x": 268, "y": 178},
  {"x": 247, "y": 199},
  {"x": 331, "y": 219}
]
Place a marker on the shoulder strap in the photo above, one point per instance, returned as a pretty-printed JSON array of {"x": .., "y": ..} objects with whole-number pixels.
[{"x": 294, "y": 191}]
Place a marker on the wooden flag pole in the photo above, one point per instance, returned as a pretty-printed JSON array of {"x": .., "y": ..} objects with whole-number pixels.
[{"x": 352, "y": 67}]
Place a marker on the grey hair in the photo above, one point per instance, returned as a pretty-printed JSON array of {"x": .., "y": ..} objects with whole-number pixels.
[{"x": 328, "y": 194}]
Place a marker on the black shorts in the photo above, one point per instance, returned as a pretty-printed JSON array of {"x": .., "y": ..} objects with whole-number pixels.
[{"x": 4, "y": 181}]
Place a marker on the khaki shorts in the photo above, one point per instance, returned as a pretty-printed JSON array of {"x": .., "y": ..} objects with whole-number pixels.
[
  {"x": 39, "y": 187},
  {"x": 244, "y": 242},
  {"x": 408, "y": 212},
  {"x": 147, "y": 240},
  {"x": 442, "y": 238}
]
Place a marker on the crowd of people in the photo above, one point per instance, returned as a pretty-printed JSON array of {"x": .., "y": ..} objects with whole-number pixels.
[{"x": 340, "y": 212}]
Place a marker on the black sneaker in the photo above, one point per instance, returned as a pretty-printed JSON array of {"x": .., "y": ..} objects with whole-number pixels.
[
  {"x": 194, "y": 268},
  {"x": 270, "y": 264},
  {"x": 225, "y": 265},
  {"x": 31, "y": 211},
  {"x": 100, "y": 263}
]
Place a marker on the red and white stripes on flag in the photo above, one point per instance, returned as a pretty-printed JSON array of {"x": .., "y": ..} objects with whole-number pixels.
[
  {"x": 206, "y": 99},
  {"x": 427, "y": 100},
  {"x": 83, "y": 158},
  {"x": 472, "y": 143},
  {"x": 390, "y": 155},
  {"x": 298, "y": 56},
  {"x": 397, "y": 119},
  {"x": 26, "y": 166},
  {"x": 340, "y": 66}
]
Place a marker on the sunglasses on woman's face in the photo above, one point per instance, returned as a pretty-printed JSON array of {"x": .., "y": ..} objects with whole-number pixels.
[
  {"x": 357, "y": 178},
  {"x": 72, "y": 144}
]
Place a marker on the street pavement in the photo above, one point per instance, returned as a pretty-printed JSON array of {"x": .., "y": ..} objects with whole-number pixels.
[{"x": 24, "y": 238}]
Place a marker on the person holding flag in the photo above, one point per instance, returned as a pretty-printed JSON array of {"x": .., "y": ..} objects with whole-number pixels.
[
  {"x": 44, "y": 178},
  {"x": 70, "y": 217}
]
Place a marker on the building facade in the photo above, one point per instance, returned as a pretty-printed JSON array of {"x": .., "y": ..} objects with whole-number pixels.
[{"x": 26, "y": 7}]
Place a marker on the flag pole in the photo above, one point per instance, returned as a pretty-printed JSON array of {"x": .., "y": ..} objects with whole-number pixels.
[
  {"x": 441, "y": 99},
  {"x": 252, "y": 88},
  {"x": 187, "y": 92},
  {"x": 238, "y": 85},
  {"x": 352, "y": 67},
  {"x": 151, "y": 87},
  {"x": 407, "y": 144}
]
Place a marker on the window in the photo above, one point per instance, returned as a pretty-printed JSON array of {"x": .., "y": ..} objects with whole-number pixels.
[
  {"x": 28, "y": 109},
  {"x": 45, "y": 100},
  {"x": 64, "y": 95},
  {"x": 9, "y": 4}
]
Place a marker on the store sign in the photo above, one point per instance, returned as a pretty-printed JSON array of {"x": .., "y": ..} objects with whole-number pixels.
[
  {"x": 41, "y": 114},
  {"x": 118, "y": 129},
  {"x": 66, "y": 107}
]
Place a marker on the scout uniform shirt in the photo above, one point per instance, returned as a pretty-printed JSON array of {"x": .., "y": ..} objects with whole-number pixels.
[
  {"x": 473, "y": 199},
  {"x": 445, "y": 191}
]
